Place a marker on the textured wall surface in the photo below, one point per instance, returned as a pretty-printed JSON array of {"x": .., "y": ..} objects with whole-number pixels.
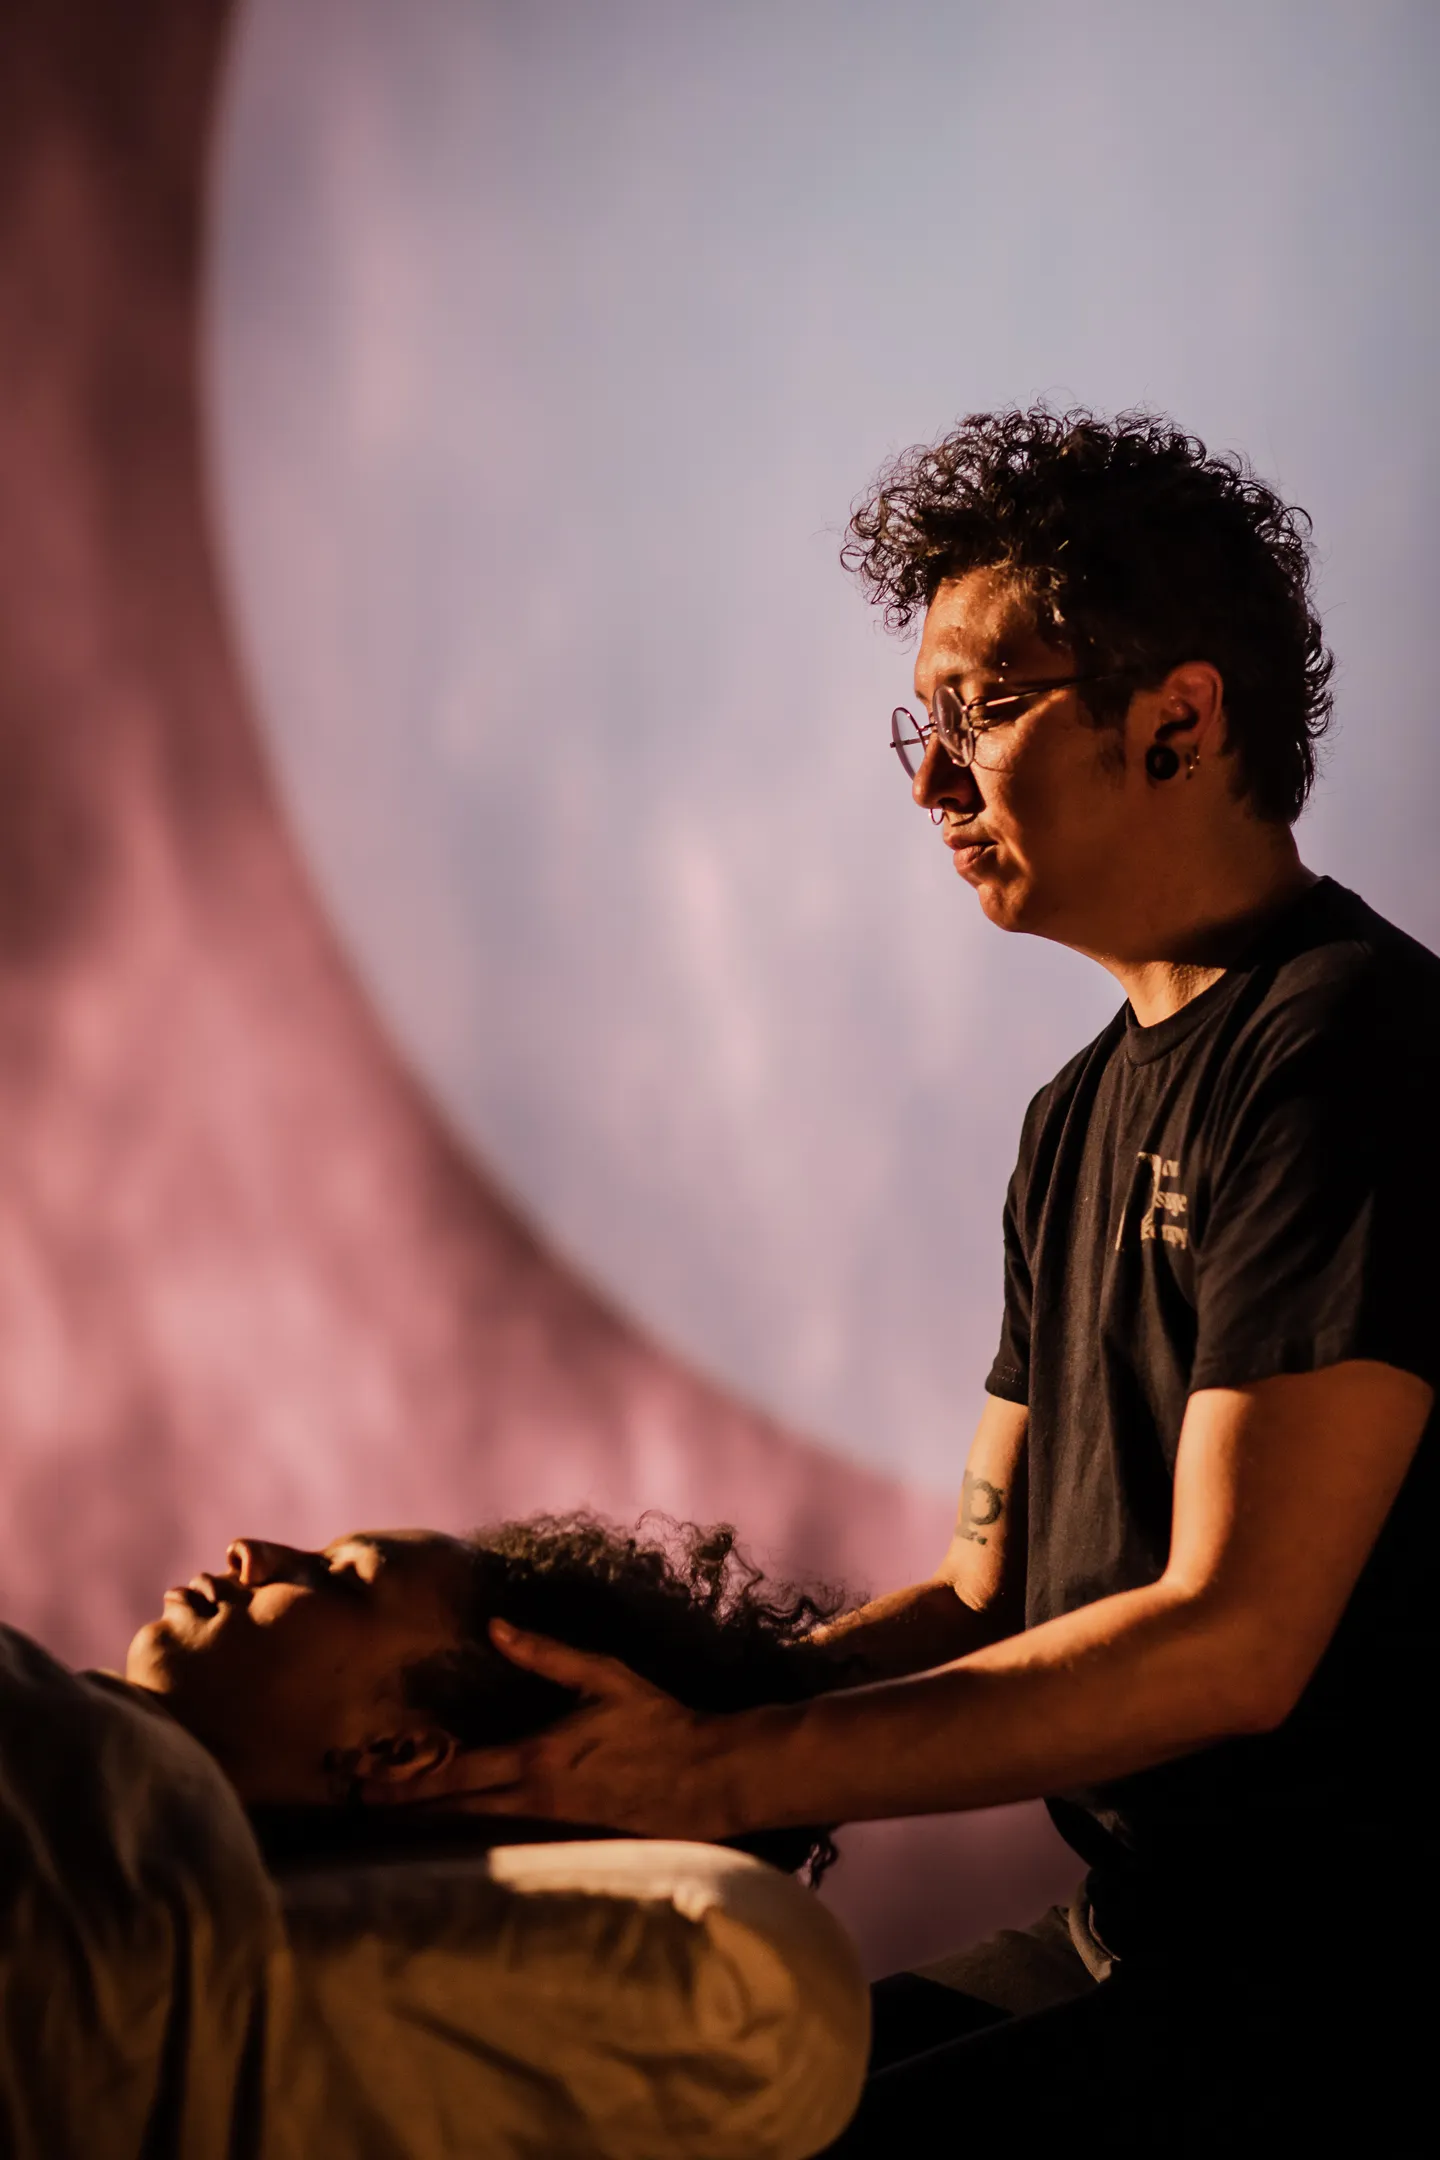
[
  {"x": 548, "y": 346},
  {"x": 248, "y": 1278}
]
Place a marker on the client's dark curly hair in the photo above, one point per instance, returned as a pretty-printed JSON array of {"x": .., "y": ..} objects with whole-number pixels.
[
  {"x": 681, "y": 1605},
  {"x": 1139, "y": 550}
]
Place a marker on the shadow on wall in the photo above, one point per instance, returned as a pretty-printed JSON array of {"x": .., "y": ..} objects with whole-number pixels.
[{"x": 247, "y": 1278}]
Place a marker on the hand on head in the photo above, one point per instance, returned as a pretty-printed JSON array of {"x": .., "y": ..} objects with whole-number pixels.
[
  {"x": 382, "y": 1670},
  {"x": 628, "y": 1756}
]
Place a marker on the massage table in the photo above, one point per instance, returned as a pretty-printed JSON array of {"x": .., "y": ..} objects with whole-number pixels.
[{"x": 162, "y": 1993}]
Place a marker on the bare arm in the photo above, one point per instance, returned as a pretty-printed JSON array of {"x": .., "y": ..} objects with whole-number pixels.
[
  {"x": 977, "y": 1594},
  {"x": 1280, "y": 1492}
]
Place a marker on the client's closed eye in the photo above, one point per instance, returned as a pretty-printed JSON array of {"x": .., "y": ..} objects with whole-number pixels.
[
  {"x": 352, "y": 1565},
  {"x": 345, "y": 1576}
]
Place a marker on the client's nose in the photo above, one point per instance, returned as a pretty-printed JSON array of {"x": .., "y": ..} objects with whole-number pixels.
[{"x": 256, "y": 1561}]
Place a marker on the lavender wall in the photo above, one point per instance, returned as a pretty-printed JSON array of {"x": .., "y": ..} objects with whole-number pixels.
[{"x": 549, "y": 346}]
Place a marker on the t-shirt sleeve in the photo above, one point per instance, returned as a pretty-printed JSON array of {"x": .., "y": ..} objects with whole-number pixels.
[
  {"x": 1316, "y": 1241},
  {"x": 1009, "y": 1376}
]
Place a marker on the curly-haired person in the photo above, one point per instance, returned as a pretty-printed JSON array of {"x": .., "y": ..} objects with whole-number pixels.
[
  {"x": 1188, "y": 1598},
  {"x": 317, "y": 1679}
]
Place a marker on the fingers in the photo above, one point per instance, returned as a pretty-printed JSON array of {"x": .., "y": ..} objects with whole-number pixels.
[
  {"x": 612, "y": 1760},
  {"x": 584, "y": 1670}
]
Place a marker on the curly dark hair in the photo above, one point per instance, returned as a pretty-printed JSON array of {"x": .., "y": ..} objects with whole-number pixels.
[
  {"x": 1140, "y": 551},
  {"x": 680, "y": 1604}
]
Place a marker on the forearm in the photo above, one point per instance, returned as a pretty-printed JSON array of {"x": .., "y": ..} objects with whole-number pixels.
[
  {"x": 909, "y": 1631},
  {"x": 1125, "y": 1683}
]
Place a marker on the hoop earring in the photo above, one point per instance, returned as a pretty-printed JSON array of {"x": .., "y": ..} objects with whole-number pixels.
[
  {"x": 1162, "y": 763},
  {"x": 1192, "y": 759}
]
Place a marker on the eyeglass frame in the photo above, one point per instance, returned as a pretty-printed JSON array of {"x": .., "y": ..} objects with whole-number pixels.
[{"x": 959, "y": 743}]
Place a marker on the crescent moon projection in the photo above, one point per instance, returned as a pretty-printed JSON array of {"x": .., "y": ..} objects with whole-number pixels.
[{"x": 250, "y": 1276}]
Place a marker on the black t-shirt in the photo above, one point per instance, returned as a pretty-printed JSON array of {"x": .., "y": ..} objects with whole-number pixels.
[{"x": 1250, "y": 1187}]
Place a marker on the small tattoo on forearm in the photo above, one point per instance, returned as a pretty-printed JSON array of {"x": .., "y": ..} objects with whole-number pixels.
[{"x": 980, "y": 1506}]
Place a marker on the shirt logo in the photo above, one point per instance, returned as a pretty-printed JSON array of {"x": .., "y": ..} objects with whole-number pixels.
[{"x": 1165, "y": 1203}]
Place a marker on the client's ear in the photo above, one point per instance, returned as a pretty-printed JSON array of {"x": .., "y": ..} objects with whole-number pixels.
[{"x": 399, "y": 1758}]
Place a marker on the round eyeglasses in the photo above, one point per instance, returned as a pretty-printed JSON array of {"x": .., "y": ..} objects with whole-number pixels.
[{"x": 960, "y": 722}]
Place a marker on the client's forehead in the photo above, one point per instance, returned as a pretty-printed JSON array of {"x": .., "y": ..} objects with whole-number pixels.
[{"x": 406, "y": 1547}]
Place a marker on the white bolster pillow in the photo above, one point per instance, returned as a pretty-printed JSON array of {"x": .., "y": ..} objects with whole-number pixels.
[{"x": 630, "y": 1999}]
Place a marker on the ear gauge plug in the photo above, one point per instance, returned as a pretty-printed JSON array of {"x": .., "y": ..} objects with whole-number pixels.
[{"x": 1162, "y": 763}]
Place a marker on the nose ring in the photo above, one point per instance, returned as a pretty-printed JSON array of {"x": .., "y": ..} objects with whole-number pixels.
[{"x": 937, "y": 815}]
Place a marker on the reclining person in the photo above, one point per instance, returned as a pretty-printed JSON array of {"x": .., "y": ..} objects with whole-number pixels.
[
  {"x": 317, "y": 1679},
  {"x": 162, "y": 1991}
]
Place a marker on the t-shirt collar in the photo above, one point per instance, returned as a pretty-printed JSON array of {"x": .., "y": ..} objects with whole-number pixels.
[{"x": 1144, "y": 1044}]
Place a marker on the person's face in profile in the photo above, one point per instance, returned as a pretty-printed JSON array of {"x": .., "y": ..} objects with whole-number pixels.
[
  {"x": 1044, "y": 823},
  {"x": 289, "y": 1666}
]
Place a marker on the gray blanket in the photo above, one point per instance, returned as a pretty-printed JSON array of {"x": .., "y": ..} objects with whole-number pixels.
[{"x": 138, "y": 1928}]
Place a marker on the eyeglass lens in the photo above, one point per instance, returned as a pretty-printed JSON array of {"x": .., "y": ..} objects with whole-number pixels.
[
  {"x": 909, "y": 736},
  {"x": 906, "y": 739},
  {"x": 952, "y": 725}
]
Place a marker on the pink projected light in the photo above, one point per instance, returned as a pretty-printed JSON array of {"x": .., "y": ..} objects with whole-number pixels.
[{"x": 249, "y": 1281}]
